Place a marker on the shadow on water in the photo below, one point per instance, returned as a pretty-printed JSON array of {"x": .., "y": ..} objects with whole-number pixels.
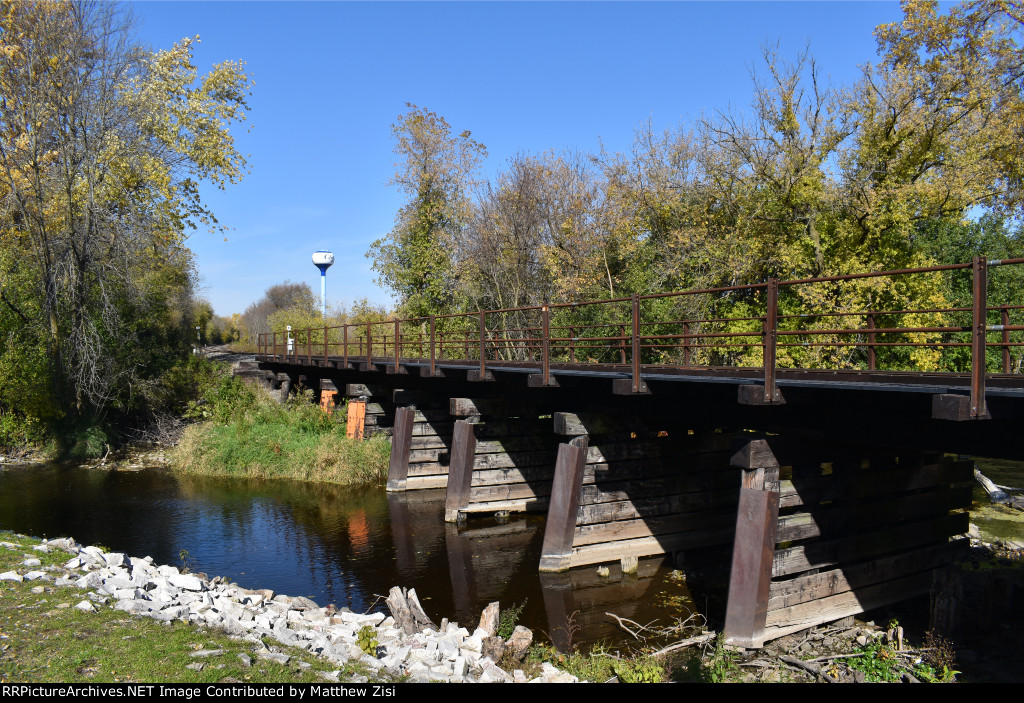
[{"x": 336, "y": 544}]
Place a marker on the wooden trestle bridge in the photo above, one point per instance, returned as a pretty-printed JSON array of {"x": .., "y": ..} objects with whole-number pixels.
[{"x": 810, "y": 430}]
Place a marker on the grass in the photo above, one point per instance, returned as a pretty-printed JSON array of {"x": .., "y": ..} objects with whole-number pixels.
[
  {"x": 245, "y": 432},
  {"x": 45, "y": 639}
]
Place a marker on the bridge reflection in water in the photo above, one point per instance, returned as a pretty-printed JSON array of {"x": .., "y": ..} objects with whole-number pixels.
[{"x": 815, "y": 444}]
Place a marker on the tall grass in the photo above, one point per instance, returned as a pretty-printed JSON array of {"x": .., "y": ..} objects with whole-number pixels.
[{"x": 245, "y": 432}]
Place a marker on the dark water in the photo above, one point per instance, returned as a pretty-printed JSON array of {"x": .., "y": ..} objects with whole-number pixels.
[{"x": 335, "y": 545}]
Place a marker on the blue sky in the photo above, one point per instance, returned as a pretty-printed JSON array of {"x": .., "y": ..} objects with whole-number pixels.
[{"x": 331, "y": 78}]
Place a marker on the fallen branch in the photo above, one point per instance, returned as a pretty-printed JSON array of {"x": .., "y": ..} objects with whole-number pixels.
[
  {"x": 808, "y": 666},
  {"x": 689, "y": 642}
]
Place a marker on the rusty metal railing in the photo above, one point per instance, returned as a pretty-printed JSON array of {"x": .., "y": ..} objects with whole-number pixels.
[{"x": 684, "y": 329}]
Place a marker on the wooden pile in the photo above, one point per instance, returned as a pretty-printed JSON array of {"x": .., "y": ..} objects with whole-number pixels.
[{"x": 838, "y": 531}]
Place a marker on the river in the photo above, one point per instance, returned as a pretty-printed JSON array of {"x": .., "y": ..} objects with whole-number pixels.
[
  {"x": 334, "y": 544},
  {"x": 348, "y": 546}
]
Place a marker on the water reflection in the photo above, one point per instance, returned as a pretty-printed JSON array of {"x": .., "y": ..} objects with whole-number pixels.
[{"x": 330, "y": 543}]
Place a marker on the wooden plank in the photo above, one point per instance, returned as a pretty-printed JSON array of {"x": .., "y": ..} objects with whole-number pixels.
[
  {"x": 641, "y": 547},
  {"x": 460, "y": 472},
  {"x": 431, "y": 441},
  {"x": 398, "y": 465},
  {"x": 701, "y": 470},
  {"x": 428, "y": 468},
  {"x": 651, "y": 506},
  {"x": 721, "y": 522},
  {"x": 513, "y": 506},
  {"x": 810, "y": 587},
  {"x": 867, "y": 545},
  {"x": 867, "y": 483},
  {"x": 612, "y": 491},
  {"x": 419, "y": 456},
  {"x": 427, "y": 428},
  {"x": 418, "y": 483},
  {"x": 509, "y": 491},
  {"x": 516, "y": 444},
  {"x": 877, "y": 513},
  {"x": 565, "y": 497},
  {"x": 786, "y": 621},
  {"x": 751, "y": 572},
  {"x": 508, "y": 460}
]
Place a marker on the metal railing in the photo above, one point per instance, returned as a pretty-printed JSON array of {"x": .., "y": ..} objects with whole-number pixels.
[{"x": 684, "y": 330}]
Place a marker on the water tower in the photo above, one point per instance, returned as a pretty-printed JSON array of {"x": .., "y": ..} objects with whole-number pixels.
[{"x": 323, "y": 260}]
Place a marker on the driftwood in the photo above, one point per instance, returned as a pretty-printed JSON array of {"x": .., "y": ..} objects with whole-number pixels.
[{"x": 406, "y": 610}]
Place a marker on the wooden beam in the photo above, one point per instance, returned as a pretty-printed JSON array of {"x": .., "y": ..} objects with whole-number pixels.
[
  {"x": 356, "y": 421},
  {"x": 753, "y": 546},
  {"x": 950, "y": 406},
  {"x": 563, "y": 507},
  {"x": 755, "y": 395},
  {"x": 460, "y": 470},
  {"x": 401, "y": 436}
]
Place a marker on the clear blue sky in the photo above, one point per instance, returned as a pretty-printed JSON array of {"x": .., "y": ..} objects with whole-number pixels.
[{"x": 331, "y": 77}]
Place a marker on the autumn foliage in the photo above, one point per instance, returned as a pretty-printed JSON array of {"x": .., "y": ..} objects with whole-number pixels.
[
  {"x": 102, "y": 147},
  {"x": 812, "y": 180}
]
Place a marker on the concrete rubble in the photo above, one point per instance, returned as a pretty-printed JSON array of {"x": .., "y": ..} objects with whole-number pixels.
[{"x": 140, "y": 587}]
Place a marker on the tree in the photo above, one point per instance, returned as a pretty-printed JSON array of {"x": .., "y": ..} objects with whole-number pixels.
[
  {"x": 102, "y": 145},
  {"x": 295, "y": 297},
  {"x": 939, "y": 122},
  {"x": 436, "y": 171}
]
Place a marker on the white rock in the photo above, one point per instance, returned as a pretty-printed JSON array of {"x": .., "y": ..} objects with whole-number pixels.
[
  {"x": 34, "y": 575},
  {"x": 86, "y": 606},
  {"x": 32, "y": 562},
  {"x": 187, "y": 582},
  {"x": 115, "y": 559},
  {"x": 11, "y": 576}
]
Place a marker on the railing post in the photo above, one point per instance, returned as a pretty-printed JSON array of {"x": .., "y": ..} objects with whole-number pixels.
[
  {"x": 636, "y": 343},
  {"x": 622, "y": 344},
  {"x": 871, "y": 342},
  {"x": 325, "y": 345},
  {"x": 1004, "y": 320},
  {"x": 432, "y": 360},
  {"x": 309, "y": 346},
  {"x": 369, "y": 346},
  {"x": 686, "y": 344},
  {"x": 545, "y": 343},
  {"x": 979, "y": 410},
  {"x": 275, "y": 346},
  {"x": 483, "y": 331},
  {"x": 771, "y": 324},
  {"x": 572, "y": 345},
  {"x": 344, "y": 344},
  {"x": 398, "y": 332}
]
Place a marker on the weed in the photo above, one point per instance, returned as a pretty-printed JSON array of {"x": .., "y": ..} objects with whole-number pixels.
[
  {"x": 638, "y": 670},
  {"x": 188, "y": 564},
  {"x": 720, "y": 665},
  {"x": 507, "y": 619},
  {"x": 366, "y": 639},
  {"x": 877, "y": 661}
]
